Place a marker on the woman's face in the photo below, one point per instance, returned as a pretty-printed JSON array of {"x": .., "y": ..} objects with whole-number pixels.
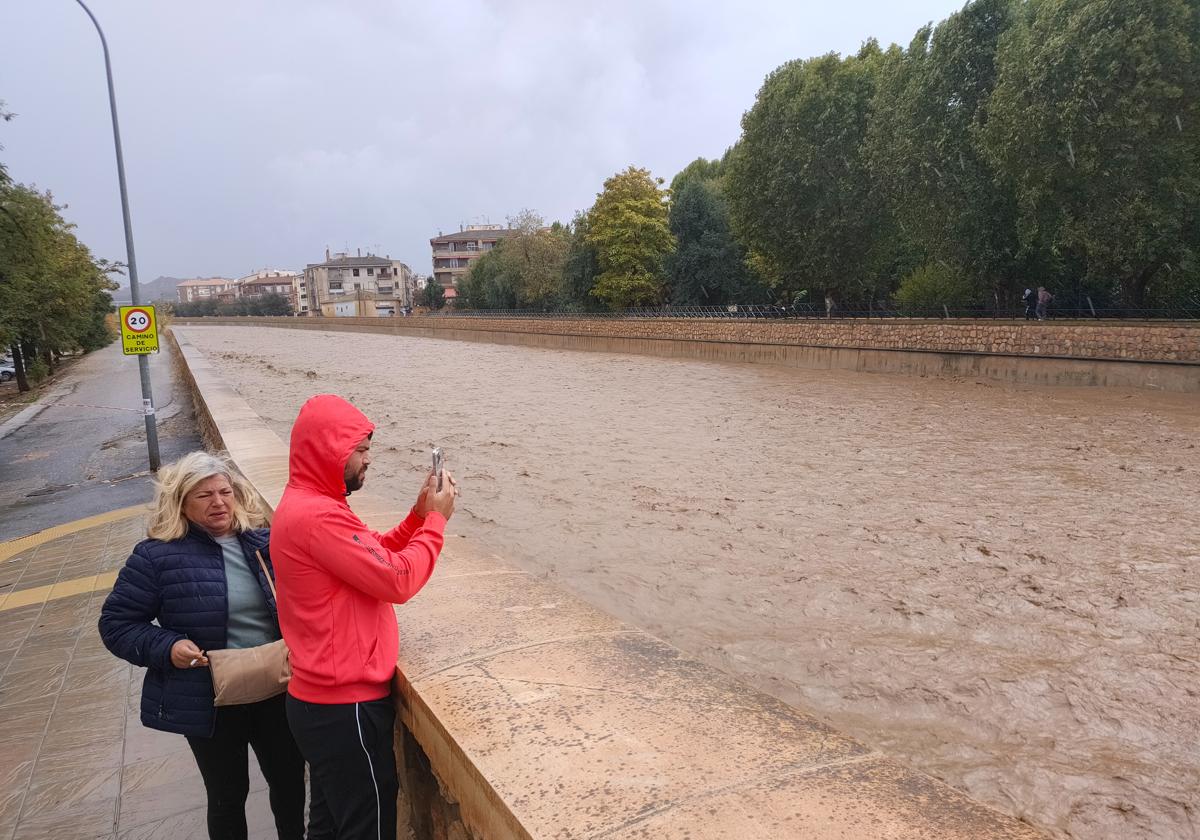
[{"x": 210, "y": 504}]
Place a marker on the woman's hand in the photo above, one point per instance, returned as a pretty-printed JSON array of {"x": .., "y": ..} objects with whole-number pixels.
[{"x": 185, "y": 654}]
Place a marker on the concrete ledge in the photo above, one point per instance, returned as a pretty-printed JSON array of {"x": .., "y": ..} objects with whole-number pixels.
[
  {"x": 527, "y": 713},
  {"x": 1156, "y": 356}
]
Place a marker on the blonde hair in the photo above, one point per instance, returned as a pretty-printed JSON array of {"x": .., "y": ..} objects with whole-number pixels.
[{"x": 167, "y": 521}]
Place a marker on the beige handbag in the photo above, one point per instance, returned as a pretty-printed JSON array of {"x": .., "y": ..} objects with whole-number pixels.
[{"x": 248, "y": 675}]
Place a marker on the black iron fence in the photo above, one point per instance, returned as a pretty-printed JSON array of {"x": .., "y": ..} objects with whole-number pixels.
[{"x": 815, "y": 312}]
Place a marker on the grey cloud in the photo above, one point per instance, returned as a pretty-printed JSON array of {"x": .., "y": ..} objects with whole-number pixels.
[{"x": 259, "y": 132}]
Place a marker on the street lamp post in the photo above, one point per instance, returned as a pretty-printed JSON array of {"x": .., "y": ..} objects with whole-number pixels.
[{"x": 134, "y": 292}]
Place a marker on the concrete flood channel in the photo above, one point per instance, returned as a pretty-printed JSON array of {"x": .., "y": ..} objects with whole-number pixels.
[{"x": 994, "y": 583}]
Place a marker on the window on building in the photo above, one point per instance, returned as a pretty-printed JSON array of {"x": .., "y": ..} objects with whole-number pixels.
[
  {"x": 335, "y": 285},
  {"x": 472, "y": 246},
  {"x": 357, "y": 286},
  {"x": 370, "y": 272},
  {"x": 356, "y": 272}
]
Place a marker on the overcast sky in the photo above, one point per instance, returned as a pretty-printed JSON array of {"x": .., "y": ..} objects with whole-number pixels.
[{"x": 258, "y": 132}]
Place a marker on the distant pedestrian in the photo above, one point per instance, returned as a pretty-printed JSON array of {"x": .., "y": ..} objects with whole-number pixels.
[
  {"x": 829, "y": 305},
  {"x": 1043, "y": 302},
  {"x": 1030, "y": 299}
]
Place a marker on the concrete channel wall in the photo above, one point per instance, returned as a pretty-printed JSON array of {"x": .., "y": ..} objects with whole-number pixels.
[
  {"x": 526, "y": 713},
  {"x": 1113, "y": 354}
]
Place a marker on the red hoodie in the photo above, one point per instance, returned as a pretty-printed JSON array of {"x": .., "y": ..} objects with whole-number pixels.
[{"x": 337, "y": 579}]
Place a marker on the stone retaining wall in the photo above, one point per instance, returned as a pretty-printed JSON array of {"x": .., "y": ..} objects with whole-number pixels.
[
  {"x": 523, "y": 712},
  {"x": 1145, "y": 355}
]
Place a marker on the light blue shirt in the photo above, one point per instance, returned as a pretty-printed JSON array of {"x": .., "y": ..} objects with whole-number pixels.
[{"x": 250, "y": 623}]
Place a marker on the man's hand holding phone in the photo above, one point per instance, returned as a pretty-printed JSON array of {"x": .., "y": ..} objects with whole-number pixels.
[{"x": 439, "y": 490}]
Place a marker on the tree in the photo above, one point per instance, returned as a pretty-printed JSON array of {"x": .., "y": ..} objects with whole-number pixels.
[
  {"x": 581, "y": 268},
  {"x": 488, "y": 284},
  {"x": 708, "y": 267},
  {"x": 934, "y": 288},
  {"x": 433, "y": 295},
  {"x": 799, "y": 184},
  {"x": 701, "y": 169},
  {"x": 931, "y": 103},
  {"x": 53, "y": 292},
  {"x": 1096, "y": 119},
  {"x": 534, "y": 257},
  {"x": 628, "y": 228}
]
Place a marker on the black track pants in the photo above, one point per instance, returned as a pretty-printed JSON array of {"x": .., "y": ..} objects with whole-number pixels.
[{"x": 351, "y": 766}]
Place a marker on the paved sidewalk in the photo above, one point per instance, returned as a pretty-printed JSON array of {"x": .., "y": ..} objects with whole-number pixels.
[{"x": 75, "y": 761}]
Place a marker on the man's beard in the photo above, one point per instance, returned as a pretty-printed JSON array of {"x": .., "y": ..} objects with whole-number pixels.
[{"x": 355, "y": 482}]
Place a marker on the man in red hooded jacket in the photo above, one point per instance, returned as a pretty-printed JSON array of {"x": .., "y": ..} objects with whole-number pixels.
[{"x": 337, "y": 581}]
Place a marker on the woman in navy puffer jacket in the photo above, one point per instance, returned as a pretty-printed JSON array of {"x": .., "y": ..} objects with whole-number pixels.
[{"x": 196, "y": 586}]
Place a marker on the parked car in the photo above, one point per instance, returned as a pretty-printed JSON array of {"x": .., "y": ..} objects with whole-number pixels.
[{"x": 7, "y": 372}]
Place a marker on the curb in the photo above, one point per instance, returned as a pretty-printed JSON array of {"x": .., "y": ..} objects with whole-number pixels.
[{"x": 18, "y": 421}]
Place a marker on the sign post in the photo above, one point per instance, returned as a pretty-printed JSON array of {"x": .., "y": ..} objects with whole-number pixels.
[
  {"x": 131, "y": 259},
  {"x": 139, "y": 330}
]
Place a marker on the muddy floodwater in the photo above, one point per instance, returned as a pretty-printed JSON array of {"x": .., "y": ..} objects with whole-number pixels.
[{"x": 999, "y": 585}]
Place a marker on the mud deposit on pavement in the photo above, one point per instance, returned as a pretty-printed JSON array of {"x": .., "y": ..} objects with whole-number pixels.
[{"x": 997, "y": 584}]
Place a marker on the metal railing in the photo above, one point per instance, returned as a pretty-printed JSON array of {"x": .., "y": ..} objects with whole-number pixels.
[{"x": 818, "y": 312}]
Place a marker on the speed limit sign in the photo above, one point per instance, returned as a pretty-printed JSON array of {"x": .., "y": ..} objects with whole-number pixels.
[{"x": 139, "y": 332}]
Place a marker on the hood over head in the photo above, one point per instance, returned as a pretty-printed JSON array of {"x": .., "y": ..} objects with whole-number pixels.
[{"x": 324, "y": 435}]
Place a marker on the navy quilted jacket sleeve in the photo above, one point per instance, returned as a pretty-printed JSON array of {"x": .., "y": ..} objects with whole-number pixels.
[
  {"x": 169, "y": 591},
  {"x": 134, "y": 602}
]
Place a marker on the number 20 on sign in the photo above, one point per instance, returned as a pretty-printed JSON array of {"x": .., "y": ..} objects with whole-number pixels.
[{"x": 139, "y": 330}]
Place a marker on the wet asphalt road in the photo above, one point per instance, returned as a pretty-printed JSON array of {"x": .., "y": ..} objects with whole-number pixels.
[{"x": 86, "y": 453}]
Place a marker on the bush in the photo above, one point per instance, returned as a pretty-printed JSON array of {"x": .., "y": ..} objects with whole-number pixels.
[
  {"x": 931, "y": 287},
  {"x": 37, "y": 371}
]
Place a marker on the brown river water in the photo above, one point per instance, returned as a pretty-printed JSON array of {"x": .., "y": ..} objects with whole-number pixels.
[{"x": 997, "y": 584}]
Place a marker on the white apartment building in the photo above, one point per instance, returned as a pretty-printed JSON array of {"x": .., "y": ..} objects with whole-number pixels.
[
  {"x": 202, "y": 288},
  {"x": 380, "y": 286}
]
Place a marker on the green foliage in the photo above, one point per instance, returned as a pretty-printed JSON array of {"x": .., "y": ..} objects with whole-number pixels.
[
  {"x": 272, "y": 304},
  {"x": 37, "y": 371},
  {"x": 800, "y": 187},
  {"x": 932, "y": 287},
  {"x": 581, "y": 269},
  {"x": 488, "y": 284},
  {"x": 54, "y": 295},
  {"x": 533, "y": 259},
  {"x": 1096, "y": 118},
  {"x": 701, "y": 169},
  {"x": 195, "y": 309},
  {"x": 629, "y": 230},
  {"x": 1051, "y": 142},
  {"x": 708, "y": 268},
  {"x": 948, "y": 198},
  {"x": 433, "y": 296},
  {"x": 524, "y": 270}
]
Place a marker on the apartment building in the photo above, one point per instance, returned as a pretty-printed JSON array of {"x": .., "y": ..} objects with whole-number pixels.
[
  {"x": 202, "y": 288},
  {"x": 271, "y": 282},
  {"x": 453, "y": 253},
  {"x": 378, "y": 286}
]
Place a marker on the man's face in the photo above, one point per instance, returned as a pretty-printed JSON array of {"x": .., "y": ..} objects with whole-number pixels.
[{"x": 356, "y": 465}]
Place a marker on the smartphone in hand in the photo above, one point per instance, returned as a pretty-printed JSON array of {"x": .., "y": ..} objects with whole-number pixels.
[{"x": 437, "y": 466}]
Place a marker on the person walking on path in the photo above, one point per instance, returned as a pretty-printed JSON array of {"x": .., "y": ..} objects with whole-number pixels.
[
  {"x": 337, "y": 583},
  {"x": 1030, "y": 300},
  {"x": 194, "y": 586},
  {"x": 1043, "y": 302}
]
